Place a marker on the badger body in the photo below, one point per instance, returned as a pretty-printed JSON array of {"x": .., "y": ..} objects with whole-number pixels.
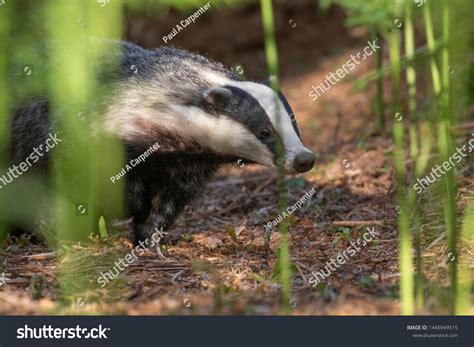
[{"x": 198, "y": 112}]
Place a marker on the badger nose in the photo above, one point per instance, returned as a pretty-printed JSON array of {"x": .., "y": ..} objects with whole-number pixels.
[{"x": 304, "y": 161}]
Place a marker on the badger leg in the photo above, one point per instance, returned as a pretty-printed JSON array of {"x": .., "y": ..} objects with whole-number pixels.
[
  {"x": 154, "y": 210},
  {"x": 161, "y": 214},
  {"x": 162, "y": 189},
  {"x": 140, "y": 205}
]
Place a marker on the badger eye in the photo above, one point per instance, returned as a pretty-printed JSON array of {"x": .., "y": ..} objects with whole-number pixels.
[{"x": 264, "y": 134}]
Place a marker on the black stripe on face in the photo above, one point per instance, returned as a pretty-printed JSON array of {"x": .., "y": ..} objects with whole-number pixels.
[
  {"x": 287, "y": 107},
  {"x": 243, "y": 108},
  {"x": 290, "y": 112}
]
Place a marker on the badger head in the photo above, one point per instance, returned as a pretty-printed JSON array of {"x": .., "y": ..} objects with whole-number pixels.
[
  {"x": 252, "y": 117},
  {"x": 191, "y": 110}
]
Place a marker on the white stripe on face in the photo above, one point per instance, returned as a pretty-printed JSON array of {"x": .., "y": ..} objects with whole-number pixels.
[
  {"x": 222, "y": 135},
  {"x": 219, "y": 133},
  {"x": 279, "y": 117}
]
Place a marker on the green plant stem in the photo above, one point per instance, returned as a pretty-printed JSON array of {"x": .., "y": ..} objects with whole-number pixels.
[
  {"x": 446, "y": 148},
  {"x": 74, "y": 88},
  {"x": 272, "y": 62},
  {"x": 406, "y": 261},
  {"x": 464, "y": 286},
  {"x": 441, "y": 87},
  {"x": 411, "y": 78},
  {"x": 431, "y": 49},
  {"x": 412, "y": 109}
]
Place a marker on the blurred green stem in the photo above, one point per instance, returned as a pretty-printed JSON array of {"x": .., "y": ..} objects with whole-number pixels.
[
  {"x": 446, "y": 148},
  {"x": 412, "y": 109},
  {"x": 411, "y": 78},
  {"x": 464, "y": 287},
  {"x": 431, "y": 49},
  {"x": 272, "y": 62},
  {"x": 442, "y": 91},
  {"x": 406, "y": 261},
  {"x": 74, "y": 89}
]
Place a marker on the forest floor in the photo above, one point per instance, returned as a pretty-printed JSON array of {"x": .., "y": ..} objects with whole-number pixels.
[{"x": 209, "y": 270}]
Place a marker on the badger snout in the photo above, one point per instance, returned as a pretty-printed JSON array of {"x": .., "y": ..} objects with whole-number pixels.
[{"x": 303, "y": 161}]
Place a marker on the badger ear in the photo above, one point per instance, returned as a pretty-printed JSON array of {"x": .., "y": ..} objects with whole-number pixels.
[{"x": 216, "y": 96}]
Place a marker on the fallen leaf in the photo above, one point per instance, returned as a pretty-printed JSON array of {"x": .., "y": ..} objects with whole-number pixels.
[{"x": 213, "y": 242}]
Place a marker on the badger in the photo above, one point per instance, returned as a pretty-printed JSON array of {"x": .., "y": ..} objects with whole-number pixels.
[{"x": 199, "y": 113}]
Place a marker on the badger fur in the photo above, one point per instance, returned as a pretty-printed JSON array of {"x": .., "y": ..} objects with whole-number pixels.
[{"x": 200, "y": 114}]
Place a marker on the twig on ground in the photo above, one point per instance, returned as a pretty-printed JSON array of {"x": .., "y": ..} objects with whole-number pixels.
[
  {"x": 42, "y": 256},
  {"x": 356, "y": 223}
]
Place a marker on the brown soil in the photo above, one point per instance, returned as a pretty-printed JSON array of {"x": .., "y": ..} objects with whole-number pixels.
[{"x": 207, "y": 272}]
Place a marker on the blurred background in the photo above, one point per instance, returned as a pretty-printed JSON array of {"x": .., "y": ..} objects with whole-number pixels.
[{"x": 385, "y": 124}]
